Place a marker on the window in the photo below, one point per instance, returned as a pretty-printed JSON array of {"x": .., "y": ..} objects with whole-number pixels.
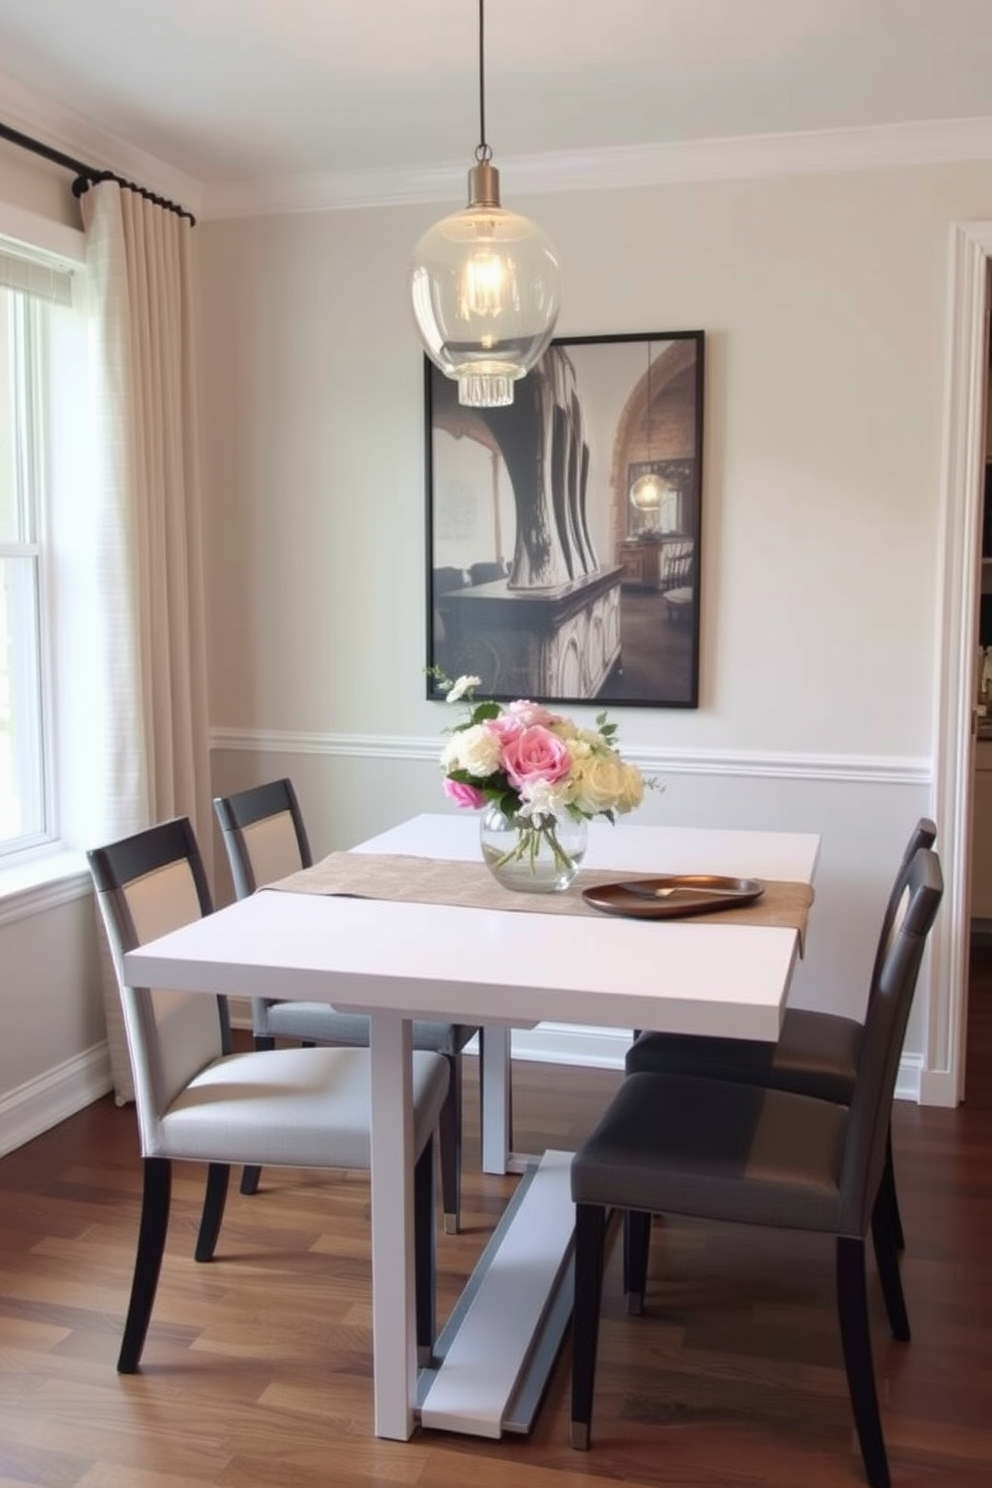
[{"x": 25, "y": 756}]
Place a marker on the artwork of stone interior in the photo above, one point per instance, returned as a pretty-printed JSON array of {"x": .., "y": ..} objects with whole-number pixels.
[{"x": 550, "y": 627}]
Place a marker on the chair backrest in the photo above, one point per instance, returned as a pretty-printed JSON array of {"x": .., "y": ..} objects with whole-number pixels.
[
  {"x": 924, "y": 834},
  {"x": 890, "y": 1000},
  {"x": 146, "y": 885},
  {"x": 264, "y": 836}
]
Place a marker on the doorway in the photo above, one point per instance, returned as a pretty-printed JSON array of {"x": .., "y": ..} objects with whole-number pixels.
[{"x": 962, "y": 488}]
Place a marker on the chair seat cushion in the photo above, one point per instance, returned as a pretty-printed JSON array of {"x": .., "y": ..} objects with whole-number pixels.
[
  {"x": 289, "y": 1107},
  {"x": 717, "y": 1150},
  {"x": 321, "y": 1024},
  {"x": 816, "y": 1054}
]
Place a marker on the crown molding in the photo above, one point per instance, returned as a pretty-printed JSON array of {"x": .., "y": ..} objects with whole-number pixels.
[
  {"x": 49, "y": 121},
  {"x": 746, "y": 157},
  {"x": 619, "y": 167}
]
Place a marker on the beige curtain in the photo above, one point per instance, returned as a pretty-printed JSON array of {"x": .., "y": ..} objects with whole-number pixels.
[{"x": 153, "y": 693}]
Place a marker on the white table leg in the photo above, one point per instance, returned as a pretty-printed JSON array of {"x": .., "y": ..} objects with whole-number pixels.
[
  {"x": 496, "y": 1063},
  {"x": 394, "y": 1333}
]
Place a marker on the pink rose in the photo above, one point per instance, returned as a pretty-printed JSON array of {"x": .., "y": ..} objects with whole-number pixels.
[
  {"x": 505, "y": 726},
  {"x": 464, "y": 795},
  {"x": 535, "y": 754},
  {"x": 530, "y": 714}
]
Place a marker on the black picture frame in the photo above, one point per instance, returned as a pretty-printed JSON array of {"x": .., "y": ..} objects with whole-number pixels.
[{"x": 548, "y": 576}]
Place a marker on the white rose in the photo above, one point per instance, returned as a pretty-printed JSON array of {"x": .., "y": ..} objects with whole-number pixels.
[
  {"x": 461, "y": 686},
  {"x": 475, "y": 749},
  {"x": 546, "y": 798}
]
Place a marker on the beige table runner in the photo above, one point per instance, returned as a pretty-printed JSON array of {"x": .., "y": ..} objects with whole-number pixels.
[{"x": 472, "y": 886}]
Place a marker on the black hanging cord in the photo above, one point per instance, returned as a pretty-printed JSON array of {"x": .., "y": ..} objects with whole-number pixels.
[
  {"x": 483, "y": 151},
  {"x": 88, "y": 175}
]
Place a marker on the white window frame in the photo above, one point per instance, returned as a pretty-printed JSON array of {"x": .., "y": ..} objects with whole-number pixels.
[
  {"x": 31, "y": 277},
  {"x": 30, "y": 652}
]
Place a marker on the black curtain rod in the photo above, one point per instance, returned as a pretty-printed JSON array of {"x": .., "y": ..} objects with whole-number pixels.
[{"x": 87, "y": 175}]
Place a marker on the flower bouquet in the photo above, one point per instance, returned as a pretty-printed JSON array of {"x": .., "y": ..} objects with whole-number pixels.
[{"x": 540, "y": 777}]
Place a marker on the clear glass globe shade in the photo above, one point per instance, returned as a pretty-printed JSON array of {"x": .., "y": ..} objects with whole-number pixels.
[
  {"x": 484, "y": 284},
  {"x": 648, "y": 493}
]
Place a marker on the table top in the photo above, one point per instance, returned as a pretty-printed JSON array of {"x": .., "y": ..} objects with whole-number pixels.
[
  {"x": 789, "y": 856},
  {"x": 469, "y": 965}
]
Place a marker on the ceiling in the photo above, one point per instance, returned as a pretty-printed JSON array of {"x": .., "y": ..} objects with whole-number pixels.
[{"x": 239, "y": 91}]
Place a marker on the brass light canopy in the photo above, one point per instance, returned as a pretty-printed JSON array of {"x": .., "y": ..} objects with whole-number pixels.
[{"x": 484, "y": 284}]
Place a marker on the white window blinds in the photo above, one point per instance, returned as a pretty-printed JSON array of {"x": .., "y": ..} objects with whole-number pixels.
[{"x": 42, "y": 278}]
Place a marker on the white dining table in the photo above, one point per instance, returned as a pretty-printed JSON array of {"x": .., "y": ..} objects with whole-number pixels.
[{"x": 395, "y": 960}]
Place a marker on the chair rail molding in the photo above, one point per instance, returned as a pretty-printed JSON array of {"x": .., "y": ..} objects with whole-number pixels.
[{"x": 871, "y": 769}]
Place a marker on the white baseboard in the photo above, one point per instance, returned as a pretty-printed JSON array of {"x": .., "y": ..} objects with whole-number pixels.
[
  {"x": 604, "y": 1048},
  {"x": 40, "y": 1104},
  {"x": 569, "y": 1043},
  {"x": 910, "y": 1080}
]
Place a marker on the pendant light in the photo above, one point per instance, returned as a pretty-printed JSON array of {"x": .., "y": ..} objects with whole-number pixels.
[
  {"x": 647, "y": 493},
  {"x": 484, "y": 284}
]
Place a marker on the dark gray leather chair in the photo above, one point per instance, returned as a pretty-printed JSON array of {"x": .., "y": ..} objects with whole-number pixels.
[
  {"x": 751, "y": 1154},
  {"x": 265, "y": 839},
  {"x": 199, "y": 1102},
  {"x": 816, "y": 1054}
]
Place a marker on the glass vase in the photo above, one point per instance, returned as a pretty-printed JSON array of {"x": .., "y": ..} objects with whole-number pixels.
[{"x": 532, "y": 857}]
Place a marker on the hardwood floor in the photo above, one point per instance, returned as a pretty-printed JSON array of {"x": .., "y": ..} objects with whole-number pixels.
[{"x": 257, "y": 1366}]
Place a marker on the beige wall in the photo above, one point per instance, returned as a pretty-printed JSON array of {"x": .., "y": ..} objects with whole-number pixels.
[
  {"x": 823, "y": 299},
  {"x": 36, "y": 185}
]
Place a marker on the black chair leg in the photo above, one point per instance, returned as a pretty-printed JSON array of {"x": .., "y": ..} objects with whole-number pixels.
[
  {"x": 214, "y": 1200},
  {"x": 251, "y": 1175},
  {"x": 152, "y": 1230},
  {"x": 888, "y": 1196},
  {"x": 425, "y": 1273},
  {"x": 852, "y": 1310},
  {"x": 450, "y": 1140},
  {"x": 249, "y": 1180},
  {"x": 590, "y": 1240},
  {"x": 887, "y": 1260},
  {"x": 636, "y": 1245}
]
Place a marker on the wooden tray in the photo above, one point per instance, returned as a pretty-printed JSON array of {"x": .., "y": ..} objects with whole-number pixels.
[{"x": 671, "y": 896}]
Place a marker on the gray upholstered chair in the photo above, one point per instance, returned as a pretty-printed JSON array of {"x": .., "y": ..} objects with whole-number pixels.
[
  {"x": 816, "y": 1054},
  {"x": 199, "y": 1102},
  {"x": 679, "y": 1144},
  {"x": 265, "y": 839}
]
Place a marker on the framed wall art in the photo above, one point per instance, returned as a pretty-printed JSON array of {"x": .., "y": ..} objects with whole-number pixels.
[{"x": 563, "y": 531}]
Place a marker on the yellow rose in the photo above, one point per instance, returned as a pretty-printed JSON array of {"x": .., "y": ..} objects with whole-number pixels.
[
  {"x": 599, "y": 783},
  {"x": 631, "y": 788}
]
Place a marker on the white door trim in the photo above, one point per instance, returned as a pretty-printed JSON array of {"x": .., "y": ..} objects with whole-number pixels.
[{"x": 962, "y": 487}]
